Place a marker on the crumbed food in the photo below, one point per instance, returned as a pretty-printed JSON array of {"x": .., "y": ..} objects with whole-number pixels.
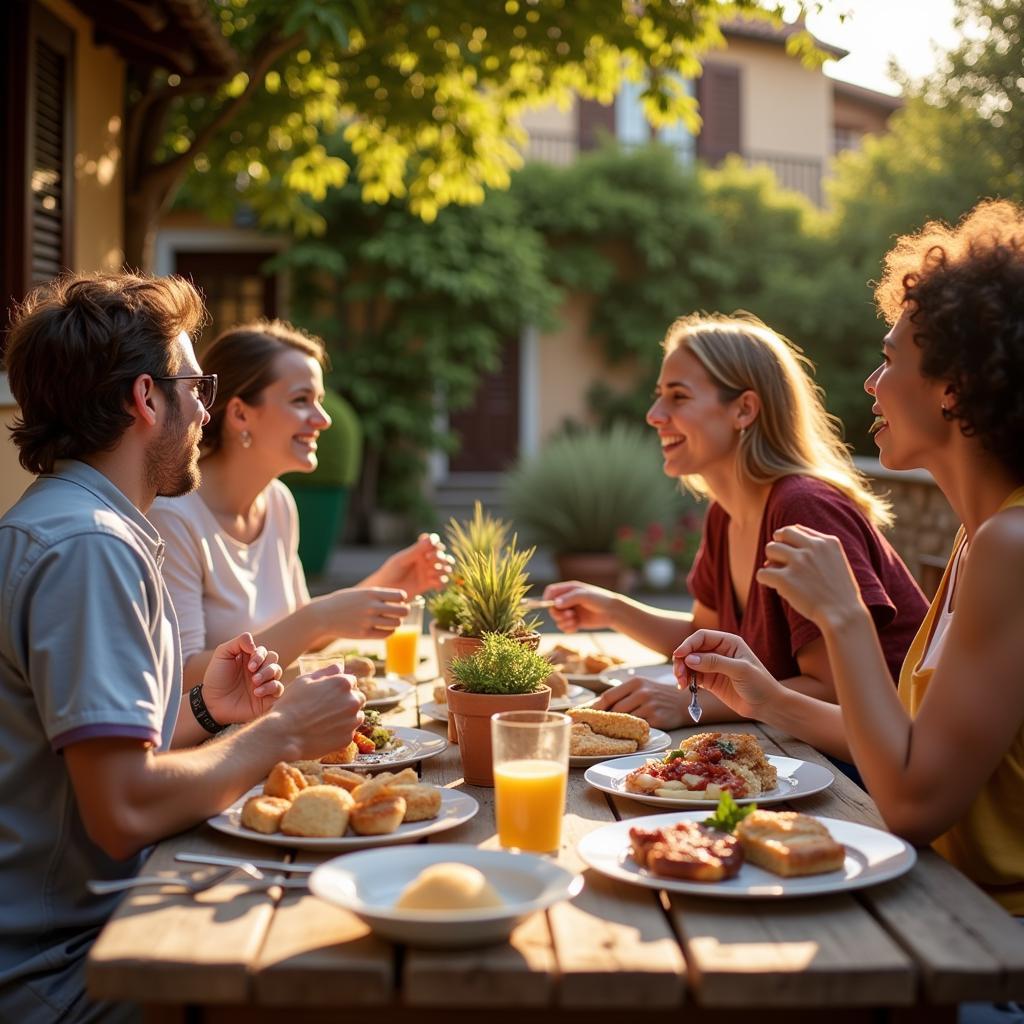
[
  {"x": 788, "y": 844},
  {"x": 584, "y": 742},
  {"x": 422, "y": 803},
  {"x": 336, "y": 776},
  {"x": 318, "y": 811},
  {"x": 284, "y": 780},
  {"x": 735, "y": 747},
  {"x": 596, "y": 663},
  {"x": 379, "y": 815},
  {"x": 346, "y": 755},
  {"x": 613, "y": 723},
  {"x": 686, "y": 850},
  {"x": 692, "y": 780},
  {"x": 312, "y": 770},
  {"x": 264, "y": 813}
]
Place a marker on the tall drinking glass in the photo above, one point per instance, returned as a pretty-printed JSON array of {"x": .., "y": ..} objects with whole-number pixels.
[
  {"x": 531, "y": 769},
  {"x": 401, "y": 646}
]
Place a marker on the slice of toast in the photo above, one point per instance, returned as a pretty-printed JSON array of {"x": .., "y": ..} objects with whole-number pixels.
[{"x": 789, "y": 844}]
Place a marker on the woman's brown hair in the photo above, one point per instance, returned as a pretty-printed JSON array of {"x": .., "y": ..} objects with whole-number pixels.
[
  {"x": 76, "y": 347},
  {"x": 243, "y": 359}
]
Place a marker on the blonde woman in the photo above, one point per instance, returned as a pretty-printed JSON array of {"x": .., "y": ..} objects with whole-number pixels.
[
  {"x": 942, "y": 756},
  {"x": 740, "y": 421}
]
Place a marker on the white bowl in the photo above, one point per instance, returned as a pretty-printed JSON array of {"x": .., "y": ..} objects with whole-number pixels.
[{"x": 369, "y": 884}]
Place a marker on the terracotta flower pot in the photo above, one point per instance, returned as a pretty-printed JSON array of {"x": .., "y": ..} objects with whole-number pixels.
[
  {"x": 471, "y": 713},
  {"x": 458, "y": 646},
  {"x": 442, "y": 649},
  {"x": 600, "y": 568}
]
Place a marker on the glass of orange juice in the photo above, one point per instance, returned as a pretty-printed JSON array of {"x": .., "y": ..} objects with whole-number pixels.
[
  {"x": 400, "y": 646},
  {"x": 531, "y": 768}
]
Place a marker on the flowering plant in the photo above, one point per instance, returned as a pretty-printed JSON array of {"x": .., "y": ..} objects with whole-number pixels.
[{"x": 678, "y": 542}]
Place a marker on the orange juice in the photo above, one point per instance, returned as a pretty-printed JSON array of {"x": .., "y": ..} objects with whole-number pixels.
[
  {"x": 529, "y": 801},
  {"x": 401, "y": 651}
]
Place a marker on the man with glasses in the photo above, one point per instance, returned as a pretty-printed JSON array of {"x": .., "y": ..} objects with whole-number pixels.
[{"x": 100, "y": 750}]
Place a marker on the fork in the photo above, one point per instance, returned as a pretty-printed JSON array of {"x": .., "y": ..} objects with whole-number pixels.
[
  {"x": 694, "y": 706},
  {"x": 190, "y": 885}
]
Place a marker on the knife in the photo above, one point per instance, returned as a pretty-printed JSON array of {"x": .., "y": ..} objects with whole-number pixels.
[{"x": 263, "y": 865}]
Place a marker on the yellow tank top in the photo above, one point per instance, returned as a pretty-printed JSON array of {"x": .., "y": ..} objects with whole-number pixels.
[{"x": 987, "y": 844}]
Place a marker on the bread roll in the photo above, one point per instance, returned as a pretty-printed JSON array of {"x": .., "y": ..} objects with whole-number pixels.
[
  {"x": 284, "y": 780},
  {"x": 421, "y": 802},
  {"x": 378, "y": 816},
  {"x": 335, "y": 776},
  {"x": 264, "y": 813},
  {"x": 319, "y": 811}
]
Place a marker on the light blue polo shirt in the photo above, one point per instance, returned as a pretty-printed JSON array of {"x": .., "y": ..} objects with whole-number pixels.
[{"x": 88, "y": 648}]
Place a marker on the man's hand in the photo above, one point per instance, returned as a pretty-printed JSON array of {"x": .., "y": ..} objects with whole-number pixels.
[
  {"x": 320, "y": 711},
  {"x": 662, "y": 706},
  {"x": 242, "y": 681}
]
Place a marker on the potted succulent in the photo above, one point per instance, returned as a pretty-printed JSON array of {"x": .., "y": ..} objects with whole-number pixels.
[
  {"x": 501, "y": 675},
  {"x": 575, "y": 495},
  {"x": 322, "y": 496}
]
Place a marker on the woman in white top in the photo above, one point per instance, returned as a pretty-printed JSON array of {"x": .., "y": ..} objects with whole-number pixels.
[{"x": 231, "y": 562}]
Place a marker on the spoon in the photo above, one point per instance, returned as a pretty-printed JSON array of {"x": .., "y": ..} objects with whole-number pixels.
[{"x": 694, "y": 706}]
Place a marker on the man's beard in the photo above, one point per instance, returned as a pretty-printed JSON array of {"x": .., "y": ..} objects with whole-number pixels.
[{"x": 172, "y": 460}]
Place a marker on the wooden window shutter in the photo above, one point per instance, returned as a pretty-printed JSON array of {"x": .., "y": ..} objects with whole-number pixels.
[
  {"x": 594, "y": 122},
  {"x": 50, "y": 147},
  {"x": 718, "y": 93}
]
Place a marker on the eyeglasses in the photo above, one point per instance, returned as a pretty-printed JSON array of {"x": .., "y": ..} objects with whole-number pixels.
[{"x": 206, "y": 386}]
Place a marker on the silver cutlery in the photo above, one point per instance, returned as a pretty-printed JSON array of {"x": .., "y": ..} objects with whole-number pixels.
[
  {"x": 190, "y": 885},
  {"x": 279, "y": 866},
  {"x": 694, "y": 706}
]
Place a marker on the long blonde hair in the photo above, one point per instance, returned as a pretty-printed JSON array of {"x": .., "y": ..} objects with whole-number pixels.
[{"x": 793, "y": 434}]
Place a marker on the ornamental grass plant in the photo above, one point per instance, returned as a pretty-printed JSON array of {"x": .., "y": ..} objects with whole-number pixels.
[
  {"x": 501, "y": 665},
  {"x": 492, "y": 585},
  {"x": 577, "y": 493}
]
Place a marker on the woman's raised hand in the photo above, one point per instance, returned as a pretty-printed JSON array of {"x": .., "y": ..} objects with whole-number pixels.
[
  {"x": 809, "y": 570},
  {"x": 367, "y": 613},
  {"x": 420, "y": 567},
  {"x": 728, "y": 669},
  {"x": 580, "y": 606}
]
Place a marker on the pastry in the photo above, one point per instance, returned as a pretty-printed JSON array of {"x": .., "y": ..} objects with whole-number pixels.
[
  {"x": 344, "y": 756},
  {"x": 358, "y": 666},
  {"x": 449, "y": 886},
  {"x": 613, "y": 723},
  {"x": 337, "y": 776},
  {"x": 380, "y": 815},
  {"x": 264, "y": 813},
  {"x": 421, "y": 802},
  {"x": 584, "y": 742},
  {"x": 321, "y": 811},
  {"x": 557, "y": 684},
  {"x": 284, "y": 780}
]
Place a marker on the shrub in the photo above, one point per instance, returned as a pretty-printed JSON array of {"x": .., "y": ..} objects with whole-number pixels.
[{"x": 502, "y": 665}]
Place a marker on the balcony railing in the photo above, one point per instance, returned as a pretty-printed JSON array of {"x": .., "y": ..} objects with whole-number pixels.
[{"x": 801, "y": 174}]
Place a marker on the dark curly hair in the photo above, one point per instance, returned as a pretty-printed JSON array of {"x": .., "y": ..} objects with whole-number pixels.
[
  {"x": 243, "y": 359},
  {"x": 963, "y": 289},
  {"x": 75, "y": 348}
]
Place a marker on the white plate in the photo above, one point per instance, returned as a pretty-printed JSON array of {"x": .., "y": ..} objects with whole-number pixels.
[
  {"x": 456, "y": 808},
  {"x": 872, "y": 856},
  {"x": 657, "y": 740},
  {"x": 575, "y": 696},
  {"x": 414, "y": 745},
  {"x": 400, "y": 689},
  {"x": 658, "y": 673},
  {"x": 796, "y": 779},
  {"x": 368, "y": 884}
]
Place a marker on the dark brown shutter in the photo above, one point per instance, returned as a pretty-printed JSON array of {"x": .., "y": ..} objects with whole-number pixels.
[
  {"x": 50, "y": 147},
  {"x": 718, "y": 93},
  {"x": 594, "y": 123}
]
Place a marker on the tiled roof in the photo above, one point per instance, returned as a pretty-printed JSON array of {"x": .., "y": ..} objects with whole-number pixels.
[{"x": 770, "y": 32}]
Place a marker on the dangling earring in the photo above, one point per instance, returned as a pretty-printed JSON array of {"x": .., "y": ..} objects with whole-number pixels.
[
  {"x": 743, "y": 432},
  {"x": 246, "y": 438},
  {"x": 947, "y": 414}
]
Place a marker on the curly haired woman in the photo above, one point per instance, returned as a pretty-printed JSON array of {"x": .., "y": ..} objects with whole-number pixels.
[{"x": 943, "y": 757}]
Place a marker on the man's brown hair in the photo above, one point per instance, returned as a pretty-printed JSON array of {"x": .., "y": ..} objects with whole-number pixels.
[{"x": 76, "y": 347}]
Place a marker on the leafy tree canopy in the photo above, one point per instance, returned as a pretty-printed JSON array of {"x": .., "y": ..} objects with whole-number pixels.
[{"x": 428, "y": 93}]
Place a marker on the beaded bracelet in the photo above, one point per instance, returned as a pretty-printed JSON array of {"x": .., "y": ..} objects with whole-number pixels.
[{"x": 201, "y": 712}]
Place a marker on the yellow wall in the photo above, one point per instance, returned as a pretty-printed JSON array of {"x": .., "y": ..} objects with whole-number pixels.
[
  {"x": 98, "y": 97},
  {"x": 786, "y": 109}
]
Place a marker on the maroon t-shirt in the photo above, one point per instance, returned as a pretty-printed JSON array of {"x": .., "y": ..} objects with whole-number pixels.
[{"x": 772, "y": 628}]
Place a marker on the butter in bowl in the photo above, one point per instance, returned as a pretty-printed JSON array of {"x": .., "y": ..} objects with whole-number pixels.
[{"x": 443, "y": 894}]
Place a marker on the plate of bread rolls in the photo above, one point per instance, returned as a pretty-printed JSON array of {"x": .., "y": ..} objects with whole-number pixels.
[
  {"x": 341, "y": 809},
  {"x": 771, "y": 854}
]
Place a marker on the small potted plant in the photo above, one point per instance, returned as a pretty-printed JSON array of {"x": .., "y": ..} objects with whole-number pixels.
[
  {"x": 445, "y": 608},
  {"x": 501, "y": 675}
]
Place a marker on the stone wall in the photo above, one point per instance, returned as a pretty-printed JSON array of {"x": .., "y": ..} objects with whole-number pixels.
[{"x": 925, "y": 524}]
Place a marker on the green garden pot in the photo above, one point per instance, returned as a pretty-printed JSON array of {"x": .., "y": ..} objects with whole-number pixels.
[{"x": 321, "y": 516}]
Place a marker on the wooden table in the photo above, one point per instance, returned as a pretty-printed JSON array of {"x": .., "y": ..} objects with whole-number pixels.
[{"x": 909, "y": 949}]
